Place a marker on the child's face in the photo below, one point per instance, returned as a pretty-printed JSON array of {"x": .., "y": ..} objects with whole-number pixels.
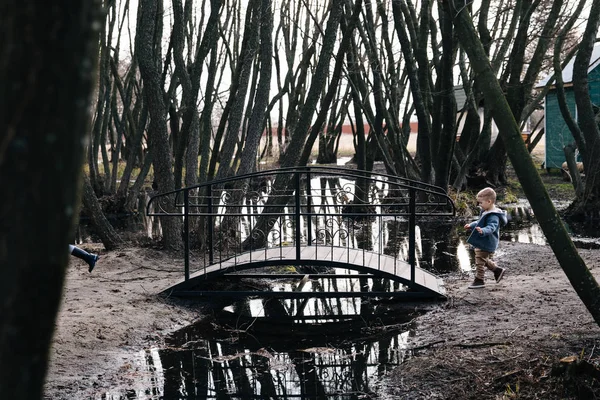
[{"x": 485, "y": 203}]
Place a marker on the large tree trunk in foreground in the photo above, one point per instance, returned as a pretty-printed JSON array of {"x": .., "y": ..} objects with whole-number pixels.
[
  {"x": 48, "y": 51},
  {"x": 569, "y": 259}
]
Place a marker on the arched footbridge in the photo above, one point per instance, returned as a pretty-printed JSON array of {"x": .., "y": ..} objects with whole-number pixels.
[{"x": 355, "y": 227}]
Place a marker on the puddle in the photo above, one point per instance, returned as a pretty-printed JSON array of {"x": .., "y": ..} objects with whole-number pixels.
[{"x": 267, "y": 349}]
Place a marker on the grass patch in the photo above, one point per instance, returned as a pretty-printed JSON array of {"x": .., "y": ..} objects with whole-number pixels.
[{"x": 556, "y": 186}]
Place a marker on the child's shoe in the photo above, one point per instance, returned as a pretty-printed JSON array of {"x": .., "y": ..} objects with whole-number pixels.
[
  {"x": 498, "y": 274},
  {"x": 477, "y": 284}
]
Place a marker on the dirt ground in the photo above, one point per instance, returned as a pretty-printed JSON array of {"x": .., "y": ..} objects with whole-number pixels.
[
  {"x": 505, "y": 341},
  {"x": 108, "y": 315}
]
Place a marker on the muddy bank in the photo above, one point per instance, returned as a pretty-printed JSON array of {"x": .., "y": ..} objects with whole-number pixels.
[{"x": 507, "y": 340}]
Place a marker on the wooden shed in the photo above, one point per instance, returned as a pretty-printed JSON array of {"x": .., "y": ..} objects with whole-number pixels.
[{"x": 557, "y": 134}]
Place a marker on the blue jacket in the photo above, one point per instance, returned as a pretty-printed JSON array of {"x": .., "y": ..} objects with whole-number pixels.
[{"x": 490, "y": 222}]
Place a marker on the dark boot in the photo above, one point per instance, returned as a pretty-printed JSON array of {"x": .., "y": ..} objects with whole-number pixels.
[
  {"x": 477, "y": 284},
  {"x": 85, "y": 256},
  {"x": 498, "y": 274}
]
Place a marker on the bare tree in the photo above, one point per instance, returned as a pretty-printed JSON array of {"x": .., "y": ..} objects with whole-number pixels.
[
  {"x": 589, "y": 145},
  {"x": 301, "y": 130},
  {"x": 520, "y": 70},
  {"x": 239, "y": 89},
  {"x": 558, "y": 238},
  {"x": 148, "y": 44},
  {"x": 257, "y": 120}
]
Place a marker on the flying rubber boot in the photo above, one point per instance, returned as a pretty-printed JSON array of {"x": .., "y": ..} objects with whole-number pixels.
[{"x": 85, "y": 256}]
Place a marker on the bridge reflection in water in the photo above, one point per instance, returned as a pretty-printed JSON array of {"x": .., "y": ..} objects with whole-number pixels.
[
  {"x": 252, "y": 351},
  {"x": 319, "y": 216}
]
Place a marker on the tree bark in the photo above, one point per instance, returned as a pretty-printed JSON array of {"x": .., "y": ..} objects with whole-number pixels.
[
  {"x": 558, "y": 238},
  {"x": 110, "y": 238},
  {"x": 417, "y": 80},
  {"x": 238, "y": 92},
  {"x": 301, "y": 131},
  {"x": 444, "y": 146},
  {"x": 147, "y": 42},
  {"x": 574, "y": 173},
  {"x": 257, "y": 121},
  {"x": 586, "y": 116},
  {"x": 48, "y": 52}
]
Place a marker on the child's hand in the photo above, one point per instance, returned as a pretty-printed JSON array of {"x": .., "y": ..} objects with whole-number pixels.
[
  {"x": 467, "y": 226},
  {"x": 478, "y": 229}
]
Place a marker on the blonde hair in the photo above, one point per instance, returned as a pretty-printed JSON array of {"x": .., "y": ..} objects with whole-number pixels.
[{"x": 488, "y": 193}]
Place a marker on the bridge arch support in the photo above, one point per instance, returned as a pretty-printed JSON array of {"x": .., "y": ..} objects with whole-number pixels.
[{"x": 333, "y": 217}]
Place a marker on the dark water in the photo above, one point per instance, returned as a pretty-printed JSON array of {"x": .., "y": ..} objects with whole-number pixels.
[
  {"x": 272, "y": 349},
  {"x": 318, "y": 348}
]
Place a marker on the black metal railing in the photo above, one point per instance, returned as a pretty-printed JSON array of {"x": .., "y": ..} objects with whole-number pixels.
[{"x": 302, "y": 207}]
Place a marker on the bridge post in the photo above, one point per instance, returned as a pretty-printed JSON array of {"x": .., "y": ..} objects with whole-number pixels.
[
  {"x": 412, "y": 221},
  {"x": 308, "y": 209},
  {"x": 186, "y": 233},
  {"x": 209, "y": 211},
  {"x": 297, "y": 214}
]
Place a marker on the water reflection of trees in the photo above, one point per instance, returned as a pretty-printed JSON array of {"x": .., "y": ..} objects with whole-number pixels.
[
  {"x": 237, "y": 357},
  {"x": 231, "y": 371}
]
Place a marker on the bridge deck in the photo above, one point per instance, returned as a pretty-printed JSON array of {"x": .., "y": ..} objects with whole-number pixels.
[{"x": 341, "y": 257}]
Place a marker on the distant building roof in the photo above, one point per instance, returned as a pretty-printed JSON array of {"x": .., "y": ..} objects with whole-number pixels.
[
  {"x": 567, "y": 73},
  {"x": 460, "y": 96}
]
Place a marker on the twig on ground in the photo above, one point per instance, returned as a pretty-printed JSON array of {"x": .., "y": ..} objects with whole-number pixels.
[
  {"x": 151, "y": 269},
  {"x": 462, "y": 378},
  {"x": 513, "y": 331},
  {"x": 79, "y": 333},
  {"x": 505, "y": 360},
  {"x": 592, "y": 352},
  {"x": 474, "y": 345},
  {"x": 425, "y": 346},
  {"x": 510, "y": 373}
]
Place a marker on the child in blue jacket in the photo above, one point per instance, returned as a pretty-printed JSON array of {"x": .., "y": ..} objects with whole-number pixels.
[{"x": 485, "y": 235}]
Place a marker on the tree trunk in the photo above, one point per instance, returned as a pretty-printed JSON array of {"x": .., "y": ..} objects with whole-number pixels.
[
  {"x": 301, "y": 131},
  {"x": 517, "y": 81},
  {"x": 238, "y": 92},
  {"x": 294, "y": 152},
  {"x": 110, "y": 238},
  {"x": 257, "y": 120},
  {"x": 587, "y": 118},
  {"x": 574, "y": 173},
  {"x": 147, "y": 41},
  {"x": 49, "y": 51},
  {"x": 419, "y": 93},
  {"x": 558, "y": 238},
  {"x": 444, "y": 146}
]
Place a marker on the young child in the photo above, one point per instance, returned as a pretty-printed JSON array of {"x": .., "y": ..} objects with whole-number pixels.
[
  {"x": 485, "y": 235},
  {"x": 85, "y": 256}
]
